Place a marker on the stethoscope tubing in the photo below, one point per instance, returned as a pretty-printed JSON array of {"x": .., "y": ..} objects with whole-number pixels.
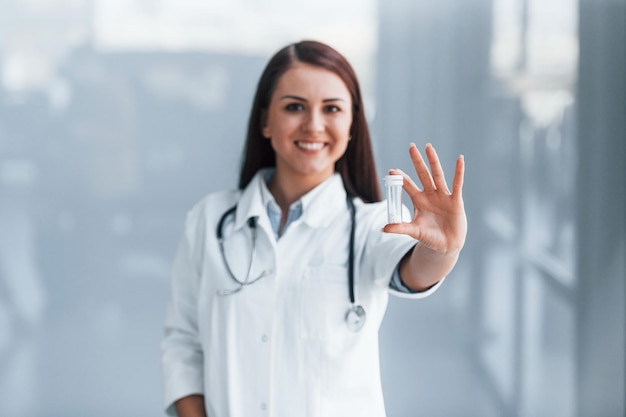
[
  {"x": 252, "y": 223},
  {"x": 351, "y": 251}
]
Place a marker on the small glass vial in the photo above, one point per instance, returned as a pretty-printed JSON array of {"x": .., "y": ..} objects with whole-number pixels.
[{"x": 393, "y": 192}]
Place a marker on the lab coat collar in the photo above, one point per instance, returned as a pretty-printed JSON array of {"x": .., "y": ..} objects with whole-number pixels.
[
  {"x": 251, "y": 202},
  {"x": 324, "y": 202},
  {"x": 319, "y": 205}
]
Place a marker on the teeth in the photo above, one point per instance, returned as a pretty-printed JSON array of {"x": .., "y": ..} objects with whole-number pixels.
[{"x": 310, "y": 146}]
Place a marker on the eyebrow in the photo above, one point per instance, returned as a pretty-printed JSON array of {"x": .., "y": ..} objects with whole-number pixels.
[{"x": 292, "y": 97}]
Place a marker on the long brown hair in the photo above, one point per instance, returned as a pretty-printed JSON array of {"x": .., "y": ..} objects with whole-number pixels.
[{"x": 356, "y": 166}]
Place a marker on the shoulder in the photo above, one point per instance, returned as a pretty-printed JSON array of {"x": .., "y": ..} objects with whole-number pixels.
[
  {"x": 216, "y": 201},
  {"x": 210, "y": 208},
  {"x": 371, "y": 213},
  {"x": 369, "y": 207}
]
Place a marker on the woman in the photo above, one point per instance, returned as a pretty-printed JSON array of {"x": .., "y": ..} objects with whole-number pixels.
[{"x": 283, "y": 318}]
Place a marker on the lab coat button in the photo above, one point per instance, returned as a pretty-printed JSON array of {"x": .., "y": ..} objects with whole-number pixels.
[
  {"x": 263, "y": 406},
  {"x": 264, "y": 338}
]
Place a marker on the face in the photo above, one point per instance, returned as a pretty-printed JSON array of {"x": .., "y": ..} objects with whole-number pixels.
[{"x": 308, "y": 123}]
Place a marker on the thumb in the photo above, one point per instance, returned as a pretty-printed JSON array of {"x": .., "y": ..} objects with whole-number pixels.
[{"x": 402, "y": 229}]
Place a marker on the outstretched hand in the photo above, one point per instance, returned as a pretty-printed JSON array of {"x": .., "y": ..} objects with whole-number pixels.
[{"x": 439, "y": 220}]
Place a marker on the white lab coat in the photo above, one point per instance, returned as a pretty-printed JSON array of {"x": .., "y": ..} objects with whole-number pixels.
[{"x": 280, "y": 347}]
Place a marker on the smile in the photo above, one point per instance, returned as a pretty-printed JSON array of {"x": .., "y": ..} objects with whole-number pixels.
[{"x": 310, "y": 146}]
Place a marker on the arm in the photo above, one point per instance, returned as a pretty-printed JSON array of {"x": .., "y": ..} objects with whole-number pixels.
[
  {"x": 423, "y": 267},
  {"x": 182, "y": 356},
  {"x": 191, "y": 406},
  {"x": 439, "y": 222}
]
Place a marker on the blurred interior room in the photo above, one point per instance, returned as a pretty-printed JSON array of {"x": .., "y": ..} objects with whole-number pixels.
[{"x": 116, "y": 116}]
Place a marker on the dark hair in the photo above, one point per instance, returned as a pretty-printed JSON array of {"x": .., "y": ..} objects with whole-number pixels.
[{"x": 356, "y": 166}]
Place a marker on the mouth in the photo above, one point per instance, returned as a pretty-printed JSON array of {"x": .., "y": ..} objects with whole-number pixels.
[{"x": 310, "y": 146}]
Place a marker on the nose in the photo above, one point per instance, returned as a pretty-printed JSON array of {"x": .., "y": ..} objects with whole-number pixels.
[{"x": 314, "y": 122}]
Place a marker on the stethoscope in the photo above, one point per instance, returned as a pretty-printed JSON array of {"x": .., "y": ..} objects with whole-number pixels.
[{"x": 355, "y": 316}]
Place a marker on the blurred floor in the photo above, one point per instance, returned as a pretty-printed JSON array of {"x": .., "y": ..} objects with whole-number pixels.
[{"x": 426, "y": 359}]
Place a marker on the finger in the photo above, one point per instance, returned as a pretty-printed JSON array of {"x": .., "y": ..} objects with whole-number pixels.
[
  {"x": 457, "y": 181},
  {"x": 402, "y": 229},
  {"x": 436, "y": 169},
  {"x": 408, "y": 184},
  {"x": 422, "y": 170}
]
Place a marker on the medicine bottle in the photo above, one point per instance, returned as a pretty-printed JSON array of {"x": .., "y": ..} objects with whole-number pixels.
[{"x": 393, "y": 193}]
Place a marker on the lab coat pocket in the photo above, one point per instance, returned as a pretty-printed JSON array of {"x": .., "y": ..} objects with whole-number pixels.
[{"x": 324, "y": 300}]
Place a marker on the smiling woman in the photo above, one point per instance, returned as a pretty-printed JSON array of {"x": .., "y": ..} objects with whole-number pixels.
[
  {"x": 297, "y": 62},
  {"x": 308, "y": 124},
  {"x": 275, "y": 332}
]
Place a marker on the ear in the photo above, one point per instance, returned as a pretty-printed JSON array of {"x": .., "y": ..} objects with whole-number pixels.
[{"x": 265, "y": 131}]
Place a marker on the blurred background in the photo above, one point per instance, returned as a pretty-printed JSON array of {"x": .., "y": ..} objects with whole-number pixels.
[{"x": 116, "y": 116}]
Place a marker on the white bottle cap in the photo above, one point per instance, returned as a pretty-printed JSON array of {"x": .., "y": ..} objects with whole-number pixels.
[{"x": 391, "y": 180}]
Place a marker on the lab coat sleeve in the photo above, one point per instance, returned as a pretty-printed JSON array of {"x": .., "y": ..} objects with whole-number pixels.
[
  {"x": 384, "y": 251},
  {"x": 181, "y": 350}
]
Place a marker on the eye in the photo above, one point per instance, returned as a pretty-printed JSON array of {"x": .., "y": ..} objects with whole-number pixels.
[
  {"x": 294, "y": 107},
  {"x": 331, "y": 108}
]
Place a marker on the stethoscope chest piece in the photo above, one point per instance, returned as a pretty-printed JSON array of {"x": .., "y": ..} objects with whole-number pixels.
[{"x": 355, "y": 318}]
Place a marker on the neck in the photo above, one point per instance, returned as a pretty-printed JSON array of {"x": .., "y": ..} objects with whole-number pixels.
[{"x": 289, "y": 189}]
